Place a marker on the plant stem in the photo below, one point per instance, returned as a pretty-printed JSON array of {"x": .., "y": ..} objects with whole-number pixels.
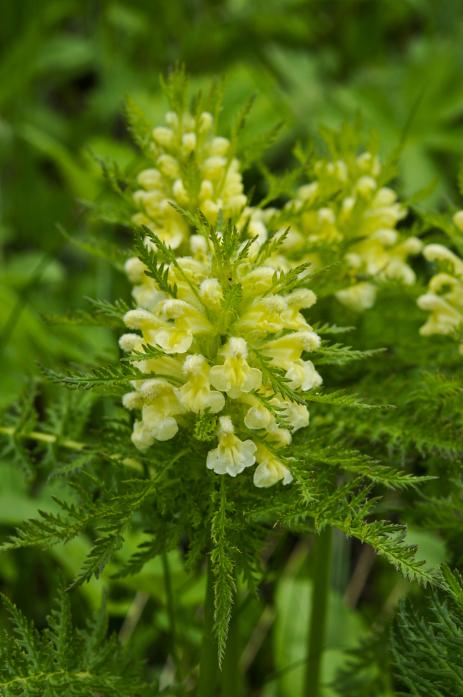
[
  {"x": 52, "y": 439},
  {"x": 319, "y": 611},
  {"x": 48, "y": 438},
  {"x": 230, "y": 676},
  {"x": 170, "y": 611},
  {"x": 208, "y": 665}
]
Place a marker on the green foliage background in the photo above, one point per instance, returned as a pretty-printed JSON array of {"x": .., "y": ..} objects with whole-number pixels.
[{"x": 66, "y": 68}]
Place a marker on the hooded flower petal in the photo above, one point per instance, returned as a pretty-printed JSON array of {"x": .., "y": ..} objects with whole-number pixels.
[
  {"x": 235, "y": 376},
  {"x": 270, "y": 469}
]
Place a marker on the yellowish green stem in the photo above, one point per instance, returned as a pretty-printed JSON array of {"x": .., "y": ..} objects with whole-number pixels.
[{"x": 51, "y": 439}]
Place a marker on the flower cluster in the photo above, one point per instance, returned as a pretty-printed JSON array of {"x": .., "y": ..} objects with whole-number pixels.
[
  {"x": 223, "y": 339},
  {"x": 347, "y": 208},
  {"x": 444, "y": 297},
  {"x": 194, "y": 168},
  {"x": 218, "y": 328}
]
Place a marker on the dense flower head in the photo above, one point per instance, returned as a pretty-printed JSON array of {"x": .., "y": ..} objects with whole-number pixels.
[
  {"x": 192, "y": 167},
  {"x": 347, "y": 207},
  {"x": 444, "y": 297},
  {"x": 221, "y": 338}
]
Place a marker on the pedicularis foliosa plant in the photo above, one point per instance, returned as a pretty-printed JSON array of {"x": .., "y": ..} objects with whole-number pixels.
[{"x": 241, "y": 410}]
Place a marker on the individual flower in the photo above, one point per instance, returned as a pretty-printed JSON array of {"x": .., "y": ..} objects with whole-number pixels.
[
  {"x": 159, "y": 406},
  {"x": 270, "y": 469},
  {"x": 232, "y": 455},
  {"x": 444, "y": 297},
  {"x": 196, "y": 393},
  {"x": 221, "y": 336},
  {"x": 346, "y": 210},
  {"x": 235, "y": 376}
]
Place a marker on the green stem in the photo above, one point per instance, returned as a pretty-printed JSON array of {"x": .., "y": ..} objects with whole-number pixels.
[
  {"x": 208, "y": 665},
  {"x": 319, "y": 612},
  {"x": 230, "y": 676},
  {"x": 170, "y": 612}
]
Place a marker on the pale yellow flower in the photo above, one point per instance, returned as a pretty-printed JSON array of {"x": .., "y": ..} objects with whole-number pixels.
[
  {"x": 209, "y": 360},
  {"x": 346, "y": 210},
  {"x": 270, "y": 469},
  {"x": 232, "y": 455},
  {"x": 444, "y": 297},
  {"x": 235, "y": 375},
  {"x": 193, "y": 168},
  {"x": 196, "y": 394},
  {"x": 160, "y": 406}
]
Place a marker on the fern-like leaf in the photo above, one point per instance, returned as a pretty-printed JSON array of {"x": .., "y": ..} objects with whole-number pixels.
[
  {"x": 222, "y": 562},
  {"x": 64, "y": 660}
]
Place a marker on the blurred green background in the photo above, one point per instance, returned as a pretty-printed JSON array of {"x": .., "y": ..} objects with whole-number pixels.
[{"x": 66, "y": 67}]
